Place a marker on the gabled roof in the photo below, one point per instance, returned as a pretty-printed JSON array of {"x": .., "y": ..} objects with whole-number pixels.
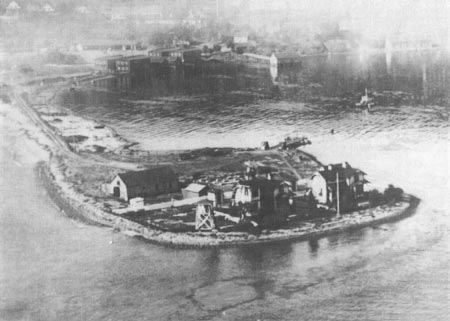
[
  {"x": 148, "y": 176},
  {"x": 196, "y": 188},
  {"x": 342, "y": 170}
]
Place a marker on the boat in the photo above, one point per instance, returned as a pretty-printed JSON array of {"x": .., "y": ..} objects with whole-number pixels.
[
  {"x": 295, "y": 142},
  {"x": 366, "y": 102}
]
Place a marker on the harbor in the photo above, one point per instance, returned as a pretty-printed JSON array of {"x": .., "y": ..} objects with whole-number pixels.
[
  {"x": 286, "y": 203},
  {"x": 257, "y": 160}
]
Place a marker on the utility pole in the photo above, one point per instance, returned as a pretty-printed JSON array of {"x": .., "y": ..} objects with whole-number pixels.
[{"x": 337, "y": 194}]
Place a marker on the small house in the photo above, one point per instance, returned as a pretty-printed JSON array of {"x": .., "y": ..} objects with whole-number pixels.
[
  {"x": 194, "y": 190},
  {"x": 340, "y": 179},
  {"x": 145, "y": 183},
  {"x": 263, "y": 194}
]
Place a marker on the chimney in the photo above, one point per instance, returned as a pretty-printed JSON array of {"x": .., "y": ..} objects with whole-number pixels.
[
  {"x": 329, "y": 167},
  {"x": 344, "y": 165}
]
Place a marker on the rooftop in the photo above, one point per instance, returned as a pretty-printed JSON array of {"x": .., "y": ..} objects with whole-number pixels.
[
  {"x": 271, "y": 183},
  {"x": 194, "y": 187},
  {"x": 144, "y": 177},
  {"x": 343, "y": 170}
]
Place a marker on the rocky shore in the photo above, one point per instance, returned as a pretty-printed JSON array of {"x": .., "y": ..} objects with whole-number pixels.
[
  {"x": 86, "y": 209},
  {"x": 78, "y": 207}
]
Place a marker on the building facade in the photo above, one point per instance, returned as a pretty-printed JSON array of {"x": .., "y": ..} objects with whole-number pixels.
[
  {"x": 339, "y": 179},
  {"x": 150, "y": 182}
]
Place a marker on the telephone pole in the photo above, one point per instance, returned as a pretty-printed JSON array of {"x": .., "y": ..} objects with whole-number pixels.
[{"x": 337, "y": 194}]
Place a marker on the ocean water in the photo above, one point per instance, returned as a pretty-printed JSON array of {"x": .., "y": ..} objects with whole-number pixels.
[{"x": 54, "y": 268}]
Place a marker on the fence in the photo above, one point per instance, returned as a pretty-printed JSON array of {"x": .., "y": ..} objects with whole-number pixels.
[{"x": 158, "y": 206}]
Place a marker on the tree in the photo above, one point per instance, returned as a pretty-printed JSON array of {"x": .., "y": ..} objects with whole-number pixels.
[{"x": 392, "y": 194}]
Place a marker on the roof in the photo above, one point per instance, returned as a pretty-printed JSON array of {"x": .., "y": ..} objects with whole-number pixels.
[
  {"x": 145, "y": 177},
  {"x": 270, "y": 183},
  {"x": 136, "y": 57},
  {"x": 104, "y": 58},
  {"x": 194, "y": 187},
  {"x": 343, "y": 170},
  {"x": 288, "y": 56},
  {"x": 175, "y": 50},
  {"x": 107, "y": 42}
]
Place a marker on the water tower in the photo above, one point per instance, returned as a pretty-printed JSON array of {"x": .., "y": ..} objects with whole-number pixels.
[{"x": 204, "y": 217}]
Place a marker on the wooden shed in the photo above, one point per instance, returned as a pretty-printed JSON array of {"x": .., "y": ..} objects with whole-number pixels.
[{"x": 145, "y": 183}]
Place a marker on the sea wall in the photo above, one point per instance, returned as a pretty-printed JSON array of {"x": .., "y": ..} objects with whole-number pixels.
[{"x": 81, "y": 208}]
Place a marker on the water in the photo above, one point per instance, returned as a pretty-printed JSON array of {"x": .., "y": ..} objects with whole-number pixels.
[{"x": 53, "y": 268}]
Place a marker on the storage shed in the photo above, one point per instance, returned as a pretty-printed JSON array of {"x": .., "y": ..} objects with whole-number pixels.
[
  {"x": 149, "y": 182},
  {"x": 194, "y": 190}
]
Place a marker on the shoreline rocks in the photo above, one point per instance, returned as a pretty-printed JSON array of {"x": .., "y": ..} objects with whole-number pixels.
[{"x": 77, "y": 206}]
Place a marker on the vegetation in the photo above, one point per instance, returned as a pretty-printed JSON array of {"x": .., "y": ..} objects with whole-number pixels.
[
  {"x": 375, "y": 198},
  {"x": 392, "y": 194}
]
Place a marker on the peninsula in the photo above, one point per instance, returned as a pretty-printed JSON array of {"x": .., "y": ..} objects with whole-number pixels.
[{"x": 204, "y": 197}]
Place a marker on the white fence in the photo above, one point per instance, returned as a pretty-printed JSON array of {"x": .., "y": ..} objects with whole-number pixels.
[{"x": 158, "y": 206}]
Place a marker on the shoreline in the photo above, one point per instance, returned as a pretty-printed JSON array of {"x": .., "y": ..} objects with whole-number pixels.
[
  {"x": 76, "y": 205},
  {"x": 86, "y": 212}
]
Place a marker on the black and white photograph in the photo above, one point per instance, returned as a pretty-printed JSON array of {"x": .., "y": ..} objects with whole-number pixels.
[{"x": 254, "y": 160}]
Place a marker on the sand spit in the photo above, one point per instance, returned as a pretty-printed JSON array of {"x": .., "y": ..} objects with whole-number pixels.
[
  {"x": 85, "y": 135},
  {"x": 84, "y": 209}
]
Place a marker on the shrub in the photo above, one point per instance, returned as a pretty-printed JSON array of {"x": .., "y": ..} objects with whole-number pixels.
[
  {"x": 392, "y": 194},
  {"x": 375, "y": 198}
]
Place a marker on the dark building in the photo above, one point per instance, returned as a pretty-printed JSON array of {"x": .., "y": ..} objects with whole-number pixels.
[
  {"x": 265, "y": 195},
  {"x": 149, "y": 182},
  {"x": 342, "y": 178},
  {"x": 133, "y": 71},
  {"x": 111, "y": 63},
  {"x": 189, "y": 56}
]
